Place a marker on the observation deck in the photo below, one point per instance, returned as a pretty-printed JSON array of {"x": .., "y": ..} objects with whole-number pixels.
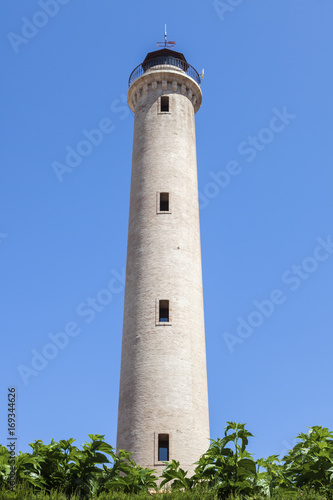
[{"x": 164, "y": 57}]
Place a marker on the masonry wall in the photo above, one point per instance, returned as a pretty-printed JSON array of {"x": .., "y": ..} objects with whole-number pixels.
[{"x": 163, "y": 384}]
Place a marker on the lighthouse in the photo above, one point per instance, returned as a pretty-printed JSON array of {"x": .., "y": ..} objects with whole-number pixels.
[{"x": 163, "y": 399}]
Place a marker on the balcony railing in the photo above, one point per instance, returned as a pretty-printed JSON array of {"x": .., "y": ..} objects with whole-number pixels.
[{"x": 164, "y": 60}]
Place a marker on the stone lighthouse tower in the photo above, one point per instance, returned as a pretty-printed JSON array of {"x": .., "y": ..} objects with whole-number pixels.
[{"x": 163, "y": 402}]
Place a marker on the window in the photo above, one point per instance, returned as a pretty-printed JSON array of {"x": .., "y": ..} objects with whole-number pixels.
[
  {"x": 164, "y": 202},
  {"x": 164, "y": 104},
  {"x": 163, "y": 315},
  {"x": 163, "y": 447}
]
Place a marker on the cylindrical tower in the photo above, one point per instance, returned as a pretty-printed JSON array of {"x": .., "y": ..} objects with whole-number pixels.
[{"x": 163, "y": 401}]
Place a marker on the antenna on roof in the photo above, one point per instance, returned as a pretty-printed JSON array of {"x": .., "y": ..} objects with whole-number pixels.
[{"x": 166, "y": 44}]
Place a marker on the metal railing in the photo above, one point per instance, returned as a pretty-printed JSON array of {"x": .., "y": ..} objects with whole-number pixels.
[{"x": 164, "y": 60}]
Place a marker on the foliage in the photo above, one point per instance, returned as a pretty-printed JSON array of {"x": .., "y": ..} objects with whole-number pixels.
[
  {"x": 24, "y": 493},
  {"x": 229, "y": 470},
  {"x": 310, "y": 462},
  {"x": 4, "y": 466},
  {"x": 127, "y": 476},
  {"x": 177, "y": 476},
  {"x": 60, "y": 470},
  {"x": 273, "y": 478},
  {"x": 62, "y": 466}
]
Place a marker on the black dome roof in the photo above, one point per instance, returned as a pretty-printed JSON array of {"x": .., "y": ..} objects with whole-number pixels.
[{"x": 165, "y": 56}]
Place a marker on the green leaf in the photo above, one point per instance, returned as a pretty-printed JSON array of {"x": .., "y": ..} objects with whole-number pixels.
[{"x": 248, "y": 464}]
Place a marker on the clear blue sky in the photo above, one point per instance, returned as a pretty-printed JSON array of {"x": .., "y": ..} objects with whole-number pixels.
[{"x": 264, "y": 146}]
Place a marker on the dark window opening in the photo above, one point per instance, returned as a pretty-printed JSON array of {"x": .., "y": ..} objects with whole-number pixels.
[
  {"x": 164, "y": 103},
  {"x": 164, "y": 311},
  {"x": 164, "y": 202},
  {"x": 163, "y": 447}
]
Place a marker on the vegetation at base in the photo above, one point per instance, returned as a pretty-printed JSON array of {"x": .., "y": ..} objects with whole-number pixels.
[{"x": 61, "y": 471}]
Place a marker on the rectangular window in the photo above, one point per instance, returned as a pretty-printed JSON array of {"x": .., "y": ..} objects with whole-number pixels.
[
  {"x": 164, "y": 202},
  {"x": 163, "y": 314},
  {"x": 164, "y": 104},
  {"x": 163, "y": 447},
  {"x": 164, "y": 311}
]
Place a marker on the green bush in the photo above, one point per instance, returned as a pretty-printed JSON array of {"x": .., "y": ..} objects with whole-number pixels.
[{"x": 61, "y": 471}]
